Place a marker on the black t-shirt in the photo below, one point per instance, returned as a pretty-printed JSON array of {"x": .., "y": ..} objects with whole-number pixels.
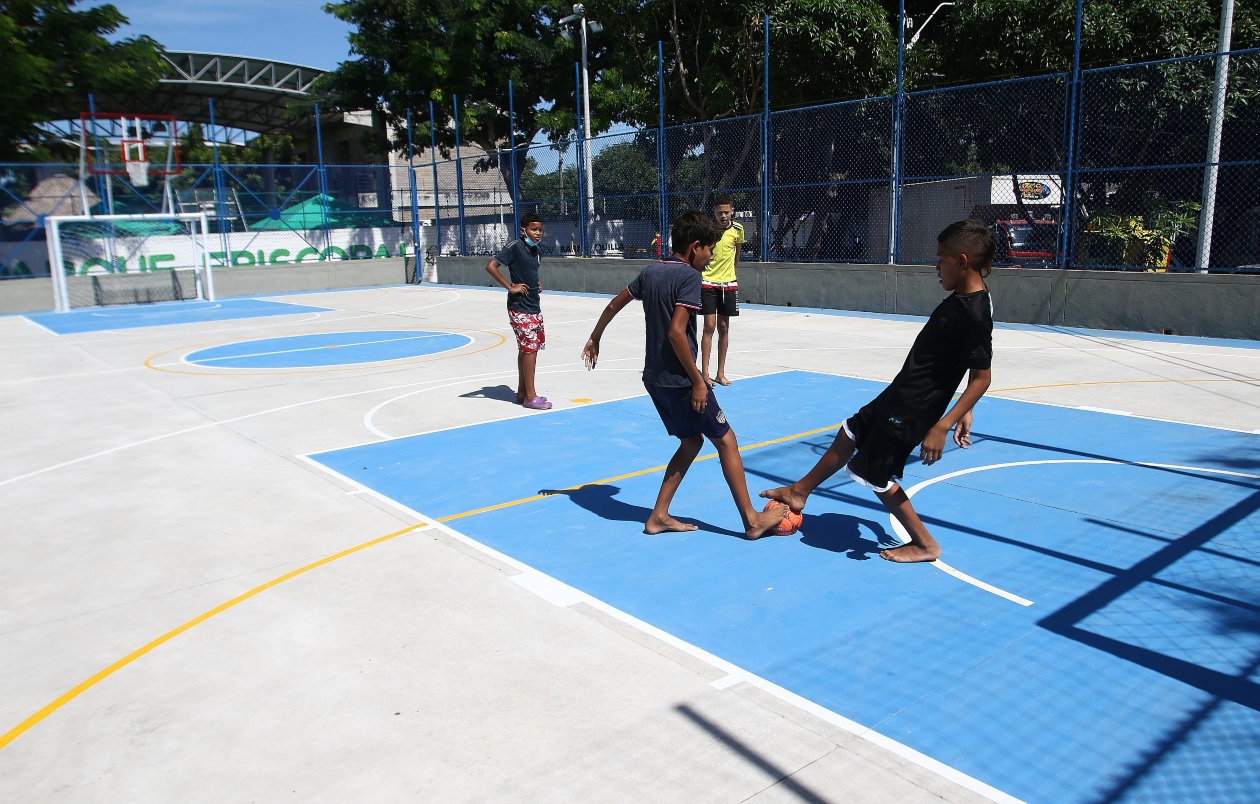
[
  {"x": 662, "y": 287},
  {"x": 522, "y": 264},
  {"x": 957, "y": 337}
]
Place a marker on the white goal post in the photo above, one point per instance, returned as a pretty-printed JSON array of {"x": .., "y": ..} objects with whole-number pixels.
[{"x": 98, "y": 260}]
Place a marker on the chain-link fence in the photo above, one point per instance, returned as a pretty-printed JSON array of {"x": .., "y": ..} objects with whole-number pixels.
[{"x": 1119, "y": 170}]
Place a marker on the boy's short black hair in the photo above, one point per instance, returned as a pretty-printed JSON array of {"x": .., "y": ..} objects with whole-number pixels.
[
  {"x": 691, "y": 227},
  {"x": 530, "y": 217},
  {"x": 723, "y": 198},
  {"x": 973, "y": 238}
]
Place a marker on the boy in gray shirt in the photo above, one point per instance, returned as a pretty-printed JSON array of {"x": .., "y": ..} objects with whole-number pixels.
[{"x": 670, "y": 293}]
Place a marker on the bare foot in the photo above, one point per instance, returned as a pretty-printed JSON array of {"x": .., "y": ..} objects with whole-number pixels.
[
  {"x": 721, "y": 380},
  {"x": 666, "y": 524},
  {"x": 911, "y": 553},
  {"x": 763, "y": 521},
  {"x": 787, "y": 494}
]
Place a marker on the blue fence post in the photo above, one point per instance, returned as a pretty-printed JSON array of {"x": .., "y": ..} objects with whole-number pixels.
[
  {"x": 437, "y": 217},
  {"x": 323, "y": 181},
  {"x": 415, "y": 201},
  {"x": 459, "y": 183},
  {"x": 663, "y": 206},
  {"x": 516, "y": 210},
  {"x": 766, "y": 176},
  {"x": 898, "y": 121},
  {"x": 1068, "y": 239},
  {"x": 581, "y": 160},
  {"x": 219, "y": 211}
]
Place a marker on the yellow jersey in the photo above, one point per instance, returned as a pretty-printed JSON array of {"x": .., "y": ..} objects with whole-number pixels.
[{"x": 721, "y": 269}]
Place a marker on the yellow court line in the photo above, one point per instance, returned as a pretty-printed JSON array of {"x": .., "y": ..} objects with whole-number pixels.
[
  {"x": 91, "y": 681},
  {"x": 1244, "y": 381},
  {"x": 537, "y": 497}
]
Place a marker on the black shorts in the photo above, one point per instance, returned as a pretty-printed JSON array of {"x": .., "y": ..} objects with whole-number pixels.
[
  {"x": 881, "y": 455},
  {"x": 719, "y": 301},
  {"x": 680, "y": 419}
]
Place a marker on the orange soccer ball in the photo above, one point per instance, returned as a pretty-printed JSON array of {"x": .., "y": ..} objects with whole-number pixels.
[{"x": 789, "y": 524}]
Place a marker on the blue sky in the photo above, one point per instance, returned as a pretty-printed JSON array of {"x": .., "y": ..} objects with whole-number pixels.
[{"x": 296, "y": 31}]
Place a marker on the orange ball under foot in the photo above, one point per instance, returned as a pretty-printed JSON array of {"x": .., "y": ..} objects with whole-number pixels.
[{"x": 789, "y": 524}]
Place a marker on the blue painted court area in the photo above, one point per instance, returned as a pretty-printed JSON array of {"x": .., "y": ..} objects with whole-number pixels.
[
  {"x": 328, "y": 349},
  {"x": 1134, "y": 676},
  {"x": 131, "y": 316}
]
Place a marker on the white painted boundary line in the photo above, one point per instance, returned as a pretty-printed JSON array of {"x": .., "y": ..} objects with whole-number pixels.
[
  {"x": 910, "y": 492},
  {"x": 557, "y": 591}
]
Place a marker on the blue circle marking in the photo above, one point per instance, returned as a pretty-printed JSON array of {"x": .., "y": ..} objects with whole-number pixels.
[{"x": 327, "y": 349}]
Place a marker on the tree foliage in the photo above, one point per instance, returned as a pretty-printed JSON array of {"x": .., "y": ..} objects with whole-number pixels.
[
  {"x": 407, "y": 53},
  {"x": 983, "y": 39},
  {"x": 52, "y": 56}
]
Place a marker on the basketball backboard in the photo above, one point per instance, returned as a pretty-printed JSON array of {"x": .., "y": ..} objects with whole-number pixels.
[{"x": 138, "y": 146}]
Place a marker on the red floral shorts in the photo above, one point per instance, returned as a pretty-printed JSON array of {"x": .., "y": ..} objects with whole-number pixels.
[{"x": 528, "y": 328}]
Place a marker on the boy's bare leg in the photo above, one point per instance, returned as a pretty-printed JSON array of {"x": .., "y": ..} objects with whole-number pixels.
[
  {"x": 756, "y": 523},
  {"x": 922, "y": 546},
  {"x": 660, "y": 521},
  {"x": 706, "y": 346},
  {"x": 525, "y": 364},
  {"x": 724, "y": 342},
  {"x": 832, "y": 461}
]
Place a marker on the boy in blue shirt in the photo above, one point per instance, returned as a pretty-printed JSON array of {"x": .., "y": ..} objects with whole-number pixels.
[
  {"x": 521, "y": 257},
  {"x": 670, "y": 293}
]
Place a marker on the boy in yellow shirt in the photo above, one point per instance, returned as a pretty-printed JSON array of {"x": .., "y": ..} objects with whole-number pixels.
[{"x": 719, "y": 291}]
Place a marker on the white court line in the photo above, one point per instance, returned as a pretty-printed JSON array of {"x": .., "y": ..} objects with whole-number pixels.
[
  {"x": 555, "y": 586},
  {"x": 372, "y": 428},
  {"x": 910, "y": 492},
  {"x": 1104, "y": 410},
  {"x": 219, "y": 422},
  {"x": 185, "y": 359}
]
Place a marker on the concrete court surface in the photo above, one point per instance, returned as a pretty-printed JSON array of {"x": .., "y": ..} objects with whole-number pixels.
[{"x": 140, "y": 491}]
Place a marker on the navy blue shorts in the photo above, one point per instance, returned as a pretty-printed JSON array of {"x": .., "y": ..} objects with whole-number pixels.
[{"x": 680, "y": 420}]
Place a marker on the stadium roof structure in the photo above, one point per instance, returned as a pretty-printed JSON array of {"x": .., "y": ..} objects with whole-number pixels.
[{"x": 249, "y": 94}]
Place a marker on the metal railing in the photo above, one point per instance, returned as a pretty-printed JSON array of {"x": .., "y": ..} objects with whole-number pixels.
[{"x": 1111, "y": 171}]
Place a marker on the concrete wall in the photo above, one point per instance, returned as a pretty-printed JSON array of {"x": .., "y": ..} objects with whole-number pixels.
[
  {"x": 34, "y": 294},
  {"x": 1213, "y": 305}
]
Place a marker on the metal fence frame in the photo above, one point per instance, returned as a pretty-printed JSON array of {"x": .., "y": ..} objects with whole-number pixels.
[{"x": 767, "y": 157}]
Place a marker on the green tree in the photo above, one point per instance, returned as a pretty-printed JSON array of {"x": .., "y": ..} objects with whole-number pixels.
[
  {"x": 52, "y": 56},
  {"x": 984, "y": 39},
  {"x": 407, "y": 54}
]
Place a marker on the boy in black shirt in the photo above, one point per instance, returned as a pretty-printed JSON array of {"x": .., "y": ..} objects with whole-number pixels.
[
  {"x": 670, "y": 293},
  {"x": 956, "y": 339},
  {"x": 524, "y": 305}
]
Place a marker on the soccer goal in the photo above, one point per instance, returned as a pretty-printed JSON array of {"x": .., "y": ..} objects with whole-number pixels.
[{"x": 128, "y": 259}]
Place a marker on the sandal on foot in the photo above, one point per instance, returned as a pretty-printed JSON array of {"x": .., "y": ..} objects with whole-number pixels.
[{"x": 537, "y": 403}]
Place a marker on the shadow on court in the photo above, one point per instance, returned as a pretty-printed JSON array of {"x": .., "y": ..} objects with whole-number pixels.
[
  {"x": 601, "y": 501},
  {"x": 781, "y": 777},
  {"x": 841, "y": 533},
  {"x": 502, "y": 393}
]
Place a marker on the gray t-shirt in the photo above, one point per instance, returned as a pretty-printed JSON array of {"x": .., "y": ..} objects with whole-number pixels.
[
  {"x": 661, "y": 287},
  {"x": 522, "y": 264}
]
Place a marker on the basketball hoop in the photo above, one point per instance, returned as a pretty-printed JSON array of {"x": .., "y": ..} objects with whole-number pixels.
[{"x": 136, "y": 146}]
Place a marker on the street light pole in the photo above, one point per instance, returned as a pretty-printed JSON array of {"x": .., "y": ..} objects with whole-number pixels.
[
  {"x": 579, "y": 16},
  {"x": 586, "y": 124}
]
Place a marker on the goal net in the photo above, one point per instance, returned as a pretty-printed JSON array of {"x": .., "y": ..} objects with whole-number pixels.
[{"x": 128, "y": 259}]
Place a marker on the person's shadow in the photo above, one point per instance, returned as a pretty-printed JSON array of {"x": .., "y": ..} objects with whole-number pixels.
[
  {"x": 839, "y": 533},
  {"x": 601, "y": 501},
  {"x": 499, "y": 392}
]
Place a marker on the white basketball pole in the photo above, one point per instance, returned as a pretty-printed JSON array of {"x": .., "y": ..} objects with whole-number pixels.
[{"x": 1208, "y": 215}]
